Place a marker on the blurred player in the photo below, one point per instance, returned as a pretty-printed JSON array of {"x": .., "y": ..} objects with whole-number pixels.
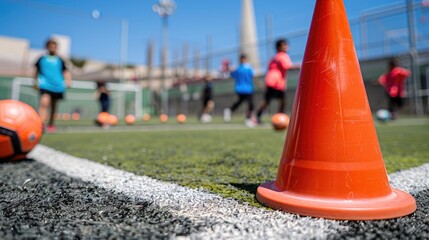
[
  {"x": 225, "y": 69},
  {"x": 103, "y": 96},
  {"x": 244, "y": 77},
  {"x": 275, "y": 80},
  {"x": 393, "y": 82},
  {"x": 208, "y": 103},
  {"x": 51, "y": 79}
]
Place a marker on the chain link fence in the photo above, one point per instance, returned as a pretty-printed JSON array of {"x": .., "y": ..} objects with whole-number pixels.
[{"x": 378, "y": 34}]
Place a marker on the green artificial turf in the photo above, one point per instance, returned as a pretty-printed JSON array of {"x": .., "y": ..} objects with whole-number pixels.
[
  {"x": 231, "y": 163},
  {"x": 154, "y": 121}
]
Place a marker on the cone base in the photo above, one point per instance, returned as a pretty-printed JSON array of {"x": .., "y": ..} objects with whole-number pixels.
[{"x": 396, "y": 204}]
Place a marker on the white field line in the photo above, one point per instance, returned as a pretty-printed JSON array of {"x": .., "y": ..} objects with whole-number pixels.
[{"x": 226, "y": 217}]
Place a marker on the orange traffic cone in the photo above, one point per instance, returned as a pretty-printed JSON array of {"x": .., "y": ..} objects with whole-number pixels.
[{"x": 331, "y": 165}]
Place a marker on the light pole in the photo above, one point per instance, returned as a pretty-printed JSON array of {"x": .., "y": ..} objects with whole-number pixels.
[
  {"x": 414, "y": 57},
  {"x": 164, "y": 8},
  {"x": 95, "y": 14}
]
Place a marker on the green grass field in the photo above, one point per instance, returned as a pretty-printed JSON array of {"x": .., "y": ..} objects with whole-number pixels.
[
  {"x": 154, "y": 121},
  {"x": 231, "y": 163}
]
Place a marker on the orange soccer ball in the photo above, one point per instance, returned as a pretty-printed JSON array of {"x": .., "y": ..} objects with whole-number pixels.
[
  {"x": 163, "y": 118},
  {"x": 113, "y": 120},
  {"x": 66, "y": 116},
  {"x": 20, "y": 129},
  {"x": 280, "y": 121},
  {"x": 130, "y": 119},
  {"x": 103, "y": 118},
  {"x": 181, "y": 118},
  {"x": 75, "y": 116},
  {"x": 146, "y": 117}
]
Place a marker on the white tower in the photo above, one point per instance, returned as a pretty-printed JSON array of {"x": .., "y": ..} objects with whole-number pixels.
[{"x": 248, "y": 36}]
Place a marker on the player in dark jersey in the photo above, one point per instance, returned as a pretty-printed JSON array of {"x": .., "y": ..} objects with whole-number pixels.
[
  {"x": 208, "y": 103},
  {"x": 103, "y": 96}
]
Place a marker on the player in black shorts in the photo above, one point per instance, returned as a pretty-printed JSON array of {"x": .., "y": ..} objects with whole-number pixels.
[
  {"x": 51, "y": 79},
  {"x": 208, "y": 103},
  {"x": 275, "y": 79}
]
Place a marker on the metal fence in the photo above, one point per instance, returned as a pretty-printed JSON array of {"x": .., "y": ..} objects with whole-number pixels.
[{"x": 378, "y": 33}]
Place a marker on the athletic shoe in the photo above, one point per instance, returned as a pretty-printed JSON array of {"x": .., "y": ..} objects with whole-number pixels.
[
  {"x": 227, "y": 115},
  {"x": 249, "y": 123},
  {"x": 206, "y": 118},
  {"x": 51, "y": 129}
]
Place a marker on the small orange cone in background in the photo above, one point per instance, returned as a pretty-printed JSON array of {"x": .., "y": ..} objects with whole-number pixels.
[{"x": 332, "y": 166}]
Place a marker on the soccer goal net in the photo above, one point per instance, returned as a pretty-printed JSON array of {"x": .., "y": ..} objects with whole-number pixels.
[{"x": 81, "y": 98}]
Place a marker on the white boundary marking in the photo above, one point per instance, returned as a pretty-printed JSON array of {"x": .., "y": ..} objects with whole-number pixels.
[{"x": 227, "y": 218}]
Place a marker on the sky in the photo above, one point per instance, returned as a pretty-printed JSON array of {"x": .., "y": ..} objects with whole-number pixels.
[{"x": 191, "y": 23}]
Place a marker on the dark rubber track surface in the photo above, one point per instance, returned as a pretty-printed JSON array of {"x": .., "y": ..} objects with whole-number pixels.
[
  {"x": 414, "y": 226},
  {"x": 37, "y": 202},
  {"x": 54, "y": 206}
]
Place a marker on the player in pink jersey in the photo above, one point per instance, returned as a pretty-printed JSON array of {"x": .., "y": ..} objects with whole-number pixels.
[
  {"x": 394, "y": 82},
  {"x": 275, "y": 80}
]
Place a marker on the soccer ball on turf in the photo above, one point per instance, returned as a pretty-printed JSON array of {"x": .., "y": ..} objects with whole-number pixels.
[
  {"x": 181, "y": 118},
  {"x": 146, "y": 117},
  {"x": 163, "y": 118},
  {"x": 113, "y": 120},
  {"x": 280, "y": 121},
  {"x": 103, "y": 118},
  {"x": 383, "y": 115},
  {"x": 20, "y": 129},
  {"x": 130, "y": 119},
  {"x": 66, "y": 116},
  {"x": 75, "y": 116}
]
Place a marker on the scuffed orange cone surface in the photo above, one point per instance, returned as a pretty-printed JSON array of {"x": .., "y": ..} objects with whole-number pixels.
[{"x": 332, "y": 164}]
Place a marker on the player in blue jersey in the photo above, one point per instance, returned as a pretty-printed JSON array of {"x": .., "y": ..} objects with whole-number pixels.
[
  {"x": 51, "y": 79},
  {"x": 244, "y": 78}
]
